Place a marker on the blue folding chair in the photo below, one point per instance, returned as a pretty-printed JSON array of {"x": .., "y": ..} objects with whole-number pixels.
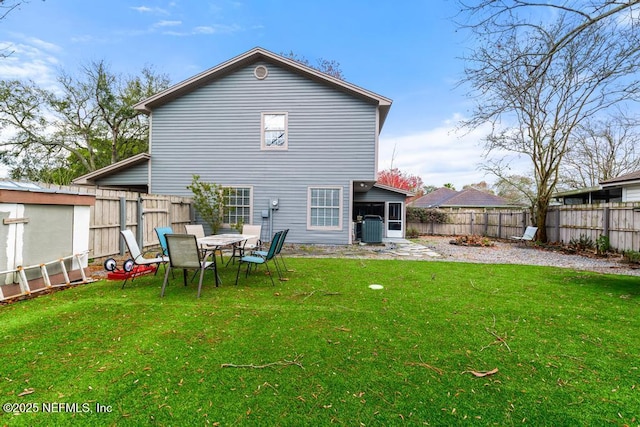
[
  {"x": 278, "y": 252},
  {"x": 161, "y": 232},
  {"x": 257, "y": 259}
]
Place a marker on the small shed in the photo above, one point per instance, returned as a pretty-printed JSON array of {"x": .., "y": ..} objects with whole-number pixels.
[{"x": 45, "y": 235}]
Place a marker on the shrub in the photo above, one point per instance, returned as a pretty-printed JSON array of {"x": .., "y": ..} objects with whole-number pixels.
[
  {"x": 582, "y": 243},
  {"x": 602, "y": 244},
  {"x": 208, "y": 201},
  {"x": 412, "y": 232},
  {"x": 632, "y": 257},
  {"x": 424, "y": 215}
]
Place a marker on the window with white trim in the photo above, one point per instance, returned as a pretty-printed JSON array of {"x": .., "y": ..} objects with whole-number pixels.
[
  {"x": 324, "y": 210},
  {"x": 237, "y": 205},
  {"x": 274, "y": 131}
]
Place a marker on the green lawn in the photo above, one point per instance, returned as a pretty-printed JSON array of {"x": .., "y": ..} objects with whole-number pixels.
[{"x": 325, "y": 349}]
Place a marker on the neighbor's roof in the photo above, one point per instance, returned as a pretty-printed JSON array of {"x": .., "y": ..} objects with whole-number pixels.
[
  {"x": 470, "y": 197},
  {"x": 250, "y": 57},
  {"x": 630, "y": 177},
  {"x": 434, "y": 199}
]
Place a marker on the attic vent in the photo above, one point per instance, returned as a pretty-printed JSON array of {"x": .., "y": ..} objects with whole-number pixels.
[{"x": 261, "y": 72}]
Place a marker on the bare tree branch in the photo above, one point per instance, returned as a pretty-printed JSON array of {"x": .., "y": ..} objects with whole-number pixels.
[{"x": 538, "y": 79}]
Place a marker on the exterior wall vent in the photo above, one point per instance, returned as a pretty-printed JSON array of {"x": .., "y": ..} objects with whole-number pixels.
[{"x": 261, "y": 72}]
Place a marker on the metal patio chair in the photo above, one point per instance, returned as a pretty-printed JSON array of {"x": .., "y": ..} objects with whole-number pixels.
[
  {"x": 258, "y": 260},
  {"x": 185, "y": 254},
  {"x": 138, "y": 257}
]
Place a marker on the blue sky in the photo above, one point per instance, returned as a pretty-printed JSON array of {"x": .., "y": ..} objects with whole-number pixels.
[{"x": 408, "y": 51}]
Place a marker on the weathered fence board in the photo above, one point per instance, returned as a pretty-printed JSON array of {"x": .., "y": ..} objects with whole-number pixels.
[
  {"x": 115, "y": 210},
  {"x": 618, "y": 221}
]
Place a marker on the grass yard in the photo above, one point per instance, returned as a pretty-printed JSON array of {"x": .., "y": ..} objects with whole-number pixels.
[{"x": 441, "y": 344}]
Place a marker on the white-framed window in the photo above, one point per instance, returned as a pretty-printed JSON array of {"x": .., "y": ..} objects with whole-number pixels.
[
  {"x": 237, "y": 205},
  {"x": 324, "y": 208},
  {"x": 274, "y": 131}
]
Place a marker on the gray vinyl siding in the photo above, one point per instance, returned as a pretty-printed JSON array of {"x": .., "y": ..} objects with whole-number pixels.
[
  {"x": 215, "y": 132},
  {"x": 135, "y": 175}
]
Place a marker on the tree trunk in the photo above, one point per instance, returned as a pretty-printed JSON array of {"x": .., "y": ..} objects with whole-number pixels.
[{"x": 542, "y": 207}]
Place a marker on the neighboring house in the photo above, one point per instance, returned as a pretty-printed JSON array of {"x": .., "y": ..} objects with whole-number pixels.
[
  {"x": 297, "y": 147},
  {"x": 468, "y": 198},
  {"x": 624, "y": 188},
  {"x": 628, "y": 185}
]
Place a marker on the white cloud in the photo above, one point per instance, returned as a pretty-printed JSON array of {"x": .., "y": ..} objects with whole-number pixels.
[
  {"x": 439, "y": 156},
  {"x": 146, "y": 9},
  {"x": 205, "y": 29},
  {"x": 219, "y": 28},
  {"x": 30, "y": 59},
  {"x": 167, "y": 23}
]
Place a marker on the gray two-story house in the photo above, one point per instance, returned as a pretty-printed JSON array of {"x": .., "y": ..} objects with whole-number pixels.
[{"x": 297, "y": 148}]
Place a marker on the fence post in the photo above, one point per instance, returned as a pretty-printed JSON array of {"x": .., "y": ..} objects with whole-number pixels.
[
  {"x": 471, "y": 222},
  {"x": 123, "y": 222},
  {"x": 524, "y": 220},
  {"x": 558, "y": 224},
  {"x": 486, "y": 223},
  {"x": 605, "y": 219},
  {"x": 140, "y": 219}
]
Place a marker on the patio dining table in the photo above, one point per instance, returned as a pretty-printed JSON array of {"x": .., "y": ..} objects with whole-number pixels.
[{"x": 215, "y": 242}]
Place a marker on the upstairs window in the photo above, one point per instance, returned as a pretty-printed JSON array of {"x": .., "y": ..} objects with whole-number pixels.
[{"x": 274, "y": 131}]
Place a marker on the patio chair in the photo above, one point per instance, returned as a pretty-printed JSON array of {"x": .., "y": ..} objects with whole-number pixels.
[
  {"x": 198, "y": 231},
  {"x": 139, "y": 258},
  {"x": 258, "y": 260},
  {"x": 529, "y": 235},
  {"x": 184, "y": 253},
  {"x": 249, "y": 245},
  {"x": 195, "y": 229},
  {"x": 278, "y": 252},
  {"x": 161, "y": 232}
]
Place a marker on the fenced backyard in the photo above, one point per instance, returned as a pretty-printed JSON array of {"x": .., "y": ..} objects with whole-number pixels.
[
  {"x": 620, "y": 222},
  {"x": 115, "y": 210}
]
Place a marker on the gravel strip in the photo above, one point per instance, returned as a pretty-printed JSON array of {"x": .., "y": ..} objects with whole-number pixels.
[{"x": 517, "y": 253}]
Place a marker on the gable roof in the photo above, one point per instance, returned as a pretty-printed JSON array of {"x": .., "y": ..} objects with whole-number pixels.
[
  {"x": 622, "y": 179},
  {"x": 434, "y": 199},
  {"x": 473, "y": 197},
  {"x": 114, "y": 168},
  {"x": 470, "y": 197},
  {"x": 250, "y": 57}
]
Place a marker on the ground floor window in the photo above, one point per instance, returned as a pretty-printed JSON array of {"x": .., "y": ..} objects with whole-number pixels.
[
  {"x": 237, "y": 205},
  {"x": 324, "y": 211}
]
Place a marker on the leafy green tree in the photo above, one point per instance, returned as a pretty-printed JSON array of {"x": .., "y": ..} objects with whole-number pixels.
[{"x": 87, "y": 124}]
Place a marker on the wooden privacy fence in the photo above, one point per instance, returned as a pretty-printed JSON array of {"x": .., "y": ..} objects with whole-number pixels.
[
  {"x": 620, "y": 222},
  {"x": 139, "y": 212},
  {"x": 115, "y": 210}
]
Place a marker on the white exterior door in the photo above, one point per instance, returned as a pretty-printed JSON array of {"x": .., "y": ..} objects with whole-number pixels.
[{"x": 395, "y": 226}]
